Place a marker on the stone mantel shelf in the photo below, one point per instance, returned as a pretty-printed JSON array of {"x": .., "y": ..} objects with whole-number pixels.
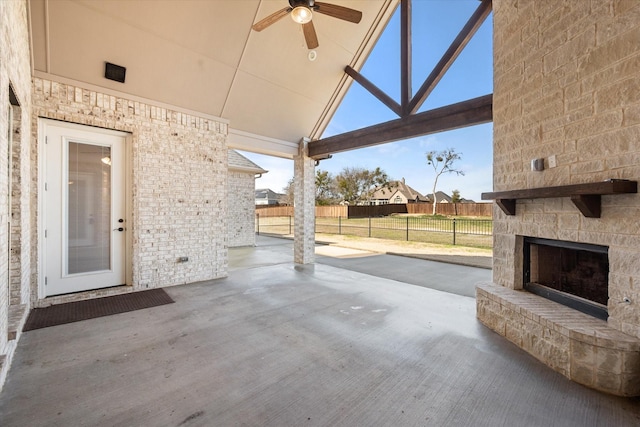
[{"x": 586, "y": 197}]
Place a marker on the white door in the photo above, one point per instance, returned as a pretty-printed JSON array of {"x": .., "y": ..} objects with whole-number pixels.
[{"x": 84, "y": 208}]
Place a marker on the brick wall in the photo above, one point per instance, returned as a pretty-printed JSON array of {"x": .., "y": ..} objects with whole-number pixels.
[
  {"x": 18, "y": 264},
  {"x": 14, "y": 73},
  {"x": 179, "y": 183},
  {"x": 567, "y": 83},
  {"x": 304, "y": 206},
  {"x": 241, "y": 209}
]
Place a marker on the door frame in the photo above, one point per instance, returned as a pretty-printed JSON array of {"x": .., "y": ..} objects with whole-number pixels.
[{"x": 43, "y": 125}]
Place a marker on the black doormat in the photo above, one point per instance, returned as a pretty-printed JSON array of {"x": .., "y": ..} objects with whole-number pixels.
[{"x": 90, "y": 309}]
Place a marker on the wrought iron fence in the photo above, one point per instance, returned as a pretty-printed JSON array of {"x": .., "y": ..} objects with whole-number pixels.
[{"x": 452, "y": 231}]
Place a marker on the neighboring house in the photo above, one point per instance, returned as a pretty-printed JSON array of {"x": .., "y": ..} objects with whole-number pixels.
[
  {"x": 242, "y": 175},
  {"x": 441, "y": 197},
  {"x": 397, "y": 192},
  {"x": 267, "y": 197}
]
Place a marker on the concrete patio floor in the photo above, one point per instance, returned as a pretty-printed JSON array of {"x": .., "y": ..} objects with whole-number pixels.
[{"x": 276, "y": 344}]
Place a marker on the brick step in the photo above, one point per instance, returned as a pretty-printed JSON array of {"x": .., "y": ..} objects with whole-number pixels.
[{"x": 582, "y": 348}]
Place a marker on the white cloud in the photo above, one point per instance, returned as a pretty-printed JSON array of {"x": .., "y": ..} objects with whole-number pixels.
[
  {"x": 429, "y": 142},
  {"x": 394, "y": 149}
]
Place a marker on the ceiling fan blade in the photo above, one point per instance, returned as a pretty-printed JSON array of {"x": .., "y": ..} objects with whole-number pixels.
[
  {"x": 271, "y": 19},
  {"x": 310, "y": 35},
  {"x": 339, "y": 12}
]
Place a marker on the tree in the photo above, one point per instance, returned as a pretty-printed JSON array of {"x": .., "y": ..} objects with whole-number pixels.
[
  {"x": 442, "y": 162},
  {"x": 288, "y": 193},
  {"x": 325, "y": 188},
  {"x": 356, "y": 185},
  {"x": 455, "y": 199}
]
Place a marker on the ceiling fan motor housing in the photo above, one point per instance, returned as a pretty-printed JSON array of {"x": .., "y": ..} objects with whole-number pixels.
[{"x": 308, "y": 3}]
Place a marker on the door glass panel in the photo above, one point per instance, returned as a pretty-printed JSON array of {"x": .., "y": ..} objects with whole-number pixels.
[{"x": 88, "y": 208}]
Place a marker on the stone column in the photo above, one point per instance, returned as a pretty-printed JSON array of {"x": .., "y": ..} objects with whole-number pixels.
[{"x": 304, "y": 206}]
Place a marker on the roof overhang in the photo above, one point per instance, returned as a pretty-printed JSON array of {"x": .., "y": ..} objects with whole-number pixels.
[{"x": 203, "y": 56}]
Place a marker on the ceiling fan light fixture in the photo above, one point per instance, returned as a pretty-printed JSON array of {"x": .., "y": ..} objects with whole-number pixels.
[{"x": 301, "y": 14}]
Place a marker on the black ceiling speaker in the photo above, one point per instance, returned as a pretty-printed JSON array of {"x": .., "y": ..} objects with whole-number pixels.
[{"x": 114, "y": 72}]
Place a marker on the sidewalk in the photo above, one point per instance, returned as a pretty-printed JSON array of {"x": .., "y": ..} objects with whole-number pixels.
[{"x": 462, "y": 255}]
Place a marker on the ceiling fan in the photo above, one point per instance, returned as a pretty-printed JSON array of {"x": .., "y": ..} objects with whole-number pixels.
[{"x": 302, "y": 12}]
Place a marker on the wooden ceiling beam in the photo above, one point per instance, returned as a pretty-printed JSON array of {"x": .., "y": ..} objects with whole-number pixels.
[
  {"x": 412, "y": 124},
  {"x": 374, "y": 90},
  {"x": 467, "y": 113},
  {"x": 406, "y": 91},
  {"x": 449, "y": 57}
]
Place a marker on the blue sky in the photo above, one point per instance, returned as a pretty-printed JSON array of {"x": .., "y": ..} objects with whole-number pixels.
[{"x": 435, "y": 24}]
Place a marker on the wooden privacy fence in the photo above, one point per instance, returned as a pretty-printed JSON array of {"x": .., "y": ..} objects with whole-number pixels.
[
  {"x": 375, "y": 211},
  {"x": 321, "y": 211},
  {"x": 450, "y": 209},
  {"x": 266, "y": 211},
  {"x": 335, "y": 211}
]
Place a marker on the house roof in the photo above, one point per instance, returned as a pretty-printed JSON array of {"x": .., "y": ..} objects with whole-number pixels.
[
  {"x": 440, "y": 197},
  {"x": 384, "y": 193},
  {"x": 267, "y": 192},
  {"x": 203, "y": 56},
  {"x": 240, "y": 163}
]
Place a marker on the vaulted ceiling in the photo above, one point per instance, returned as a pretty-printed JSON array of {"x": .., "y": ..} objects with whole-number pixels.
[{"x": 202, "y": 56}]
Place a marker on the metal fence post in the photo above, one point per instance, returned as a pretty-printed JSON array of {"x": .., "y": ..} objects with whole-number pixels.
[
  {"x": 407, "y": 228},
  {"x": 258, "y": 224},
  {"x": 454, "y": 231}
]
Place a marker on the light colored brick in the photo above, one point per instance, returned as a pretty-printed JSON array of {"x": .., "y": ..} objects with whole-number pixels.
[
  {"x": 618, "y": 95},
  {"x": 15, "y": 261},
  {"x": 590, "y": 62},
  {"x": 615, "y": 49},
  {"x": 241, "y": 211},
  {"x": 304, "y": 207},
  {"x": 180, "y": 186}
]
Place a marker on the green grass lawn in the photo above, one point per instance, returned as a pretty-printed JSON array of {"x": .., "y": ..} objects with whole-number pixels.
[{"x": 472, "y": 232}]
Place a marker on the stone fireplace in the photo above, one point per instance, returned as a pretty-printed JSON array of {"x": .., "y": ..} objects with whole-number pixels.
[{"x": 566, "y": 265}]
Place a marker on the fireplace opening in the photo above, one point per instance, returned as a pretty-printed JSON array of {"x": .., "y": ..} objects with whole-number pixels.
[{"x": 570, "y": 273}]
